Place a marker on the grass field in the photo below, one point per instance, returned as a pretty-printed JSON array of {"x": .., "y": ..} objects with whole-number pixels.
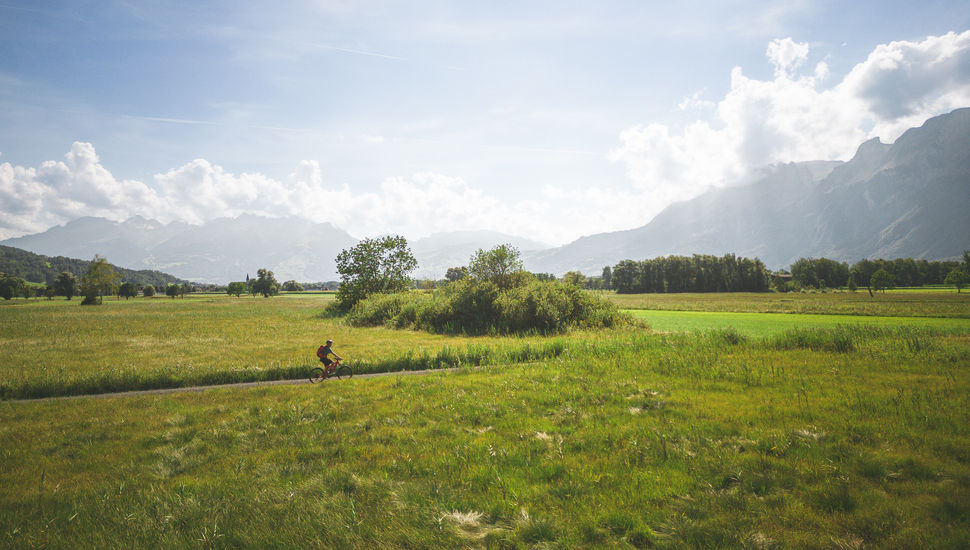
[
  {"x": 765, "y": 324},
  {"x": 822, "y": 435},
  {"x": 59, "y": 347},
  {"x": 904, "y": 303}
]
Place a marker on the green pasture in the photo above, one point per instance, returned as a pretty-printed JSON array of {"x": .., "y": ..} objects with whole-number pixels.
[
  {"x": 57, "y": 347},
  {"x": 756, "y": 423},
  {"x": 765, "y": 324},
  {"x": 626, "y": 440},
  {"x": 894, "y": 303}
]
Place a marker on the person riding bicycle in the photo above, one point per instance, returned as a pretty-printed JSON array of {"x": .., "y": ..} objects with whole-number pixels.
[{"x": 323, "y": 352}]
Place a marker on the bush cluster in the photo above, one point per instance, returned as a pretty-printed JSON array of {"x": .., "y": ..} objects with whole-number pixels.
[{"x": 480, "y": 307}]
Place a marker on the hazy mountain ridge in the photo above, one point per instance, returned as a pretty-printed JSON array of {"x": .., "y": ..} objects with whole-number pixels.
[
  {"x": 907, "y": 199},
  {"x": 227, "y": 249},
  {"x": 38, "y": 268},
  {"x": 222, "y": 250}
]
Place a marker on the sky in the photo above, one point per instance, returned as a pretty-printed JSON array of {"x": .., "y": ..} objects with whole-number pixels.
[{"x": 547, "y": 120}]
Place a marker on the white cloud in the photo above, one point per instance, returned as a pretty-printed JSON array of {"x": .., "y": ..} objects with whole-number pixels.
[
  {"x": 34, "y": 199},
  {"x": 786, "y": 55},
  {"x": 795, "y": 117}
]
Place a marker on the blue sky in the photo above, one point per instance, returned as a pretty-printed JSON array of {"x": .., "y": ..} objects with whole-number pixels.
[{"x": 549, "y": 120}]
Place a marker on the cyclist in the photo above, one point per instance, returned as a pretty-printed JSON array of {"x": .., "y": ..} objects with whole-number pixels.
[{"x": 323, "y": 352}]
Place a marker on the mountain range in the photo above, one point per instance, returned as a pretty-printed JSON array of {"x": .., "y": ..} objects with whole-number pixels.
[{"x": 906, "y": 199}]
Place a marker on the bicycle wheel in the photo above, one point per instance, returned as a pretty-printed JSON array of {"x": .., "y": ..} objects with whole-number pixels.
[
  {"x": 317, "y": 375},
  {"x": 344, "y": 371}
]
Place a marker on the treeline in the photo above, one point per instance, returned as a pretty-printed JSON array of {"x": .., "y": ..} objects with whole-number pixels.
[
  {"x": 826, "y": 273},
  {"x": 697, "y": 273},
  {"x": 37, "y": 268}
]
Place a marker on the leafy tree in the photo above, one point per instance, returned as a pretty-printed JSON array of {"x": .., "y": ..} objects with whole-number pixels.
[
  {"x": 127, "y": 290},
  {"x": 881, "y": 280},
  {"x": 574, "y": 278},
  {"x": 292, "y": 286},
  {"x": 496, "y": 265},
  {"x": 607, "y": 278},
  {"x": 265, "y": 283},
  {"x": 11, "y": 286},
  {"x": 803, "y": 271},
  {"x": 98, "y": 281},
  {"x": 172, "y": 290},
  {"x": 852, "y": 285},
  {"x": 186, "y": 288},
  {"x": 49, "y": 292},
  {"x": 374, "y": 266},
  {"x": 958, "y": 278},
  {"x": 66, "y": 284},
  {"x": 456, "y": 273},
  {"x": 236, "y": 288},
  {"x": 148, "y": 291}
]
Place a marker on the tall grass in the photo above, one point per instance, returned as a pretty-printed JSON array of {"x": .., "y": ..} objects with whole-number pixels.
[{"x": 618, "y": 439}]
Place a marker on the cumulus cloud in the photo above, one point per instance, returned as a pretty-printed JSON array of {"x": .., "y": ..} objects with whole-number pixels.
[
  {"x": 797, "y": 117},
  {"x": 786, "y": 55},
  {"x": 34, "y": 199}
]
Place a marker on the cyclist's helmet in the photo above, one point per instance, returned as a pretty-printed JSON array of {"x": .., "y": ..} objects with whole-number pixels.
[{"x": 329, "y": 342}]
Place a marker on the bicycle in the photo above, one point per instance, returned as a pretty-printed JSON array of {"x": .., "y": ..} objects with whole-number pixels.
[{"x": 335, "y": 369}]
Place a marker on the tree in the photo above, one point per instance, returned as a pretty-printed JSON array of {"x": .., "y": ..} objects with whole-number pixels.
[
  {"x": 852, "y": 285},
  {"x": 172, "y": 290},
  {"x": 98, "y": 281},
  {"x": 803, "y": 272},
  {"x": 127, "y": 290},
  {"x": 236, "y": 288},
  {"x": 66, "y": 284},
  {"x": 148, "y": 291},
  {"x": 607, "y": 278},
  {"x": 496, "y": 265},
  {"x": 265, "y": 283},
  {"x": 374, "y": 266},
  {"x": 574, "y": 278},
  {"x": 881, "y": 280},
  {"x": 11, "y": 286},
  {"x": 958, "y": 278},
  {"x": 292, "y": 286},
  {"x": 186, "y": 288},
  {"x": 456, "y": 273}
]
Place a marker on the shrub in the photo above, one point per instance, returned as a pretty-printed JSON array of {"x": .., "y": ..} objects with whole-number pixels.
[{"x": 480, "y": 307}]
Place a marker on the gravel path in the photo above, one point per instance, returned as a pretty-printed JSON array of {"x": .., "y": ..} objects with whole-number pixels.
[{"x": 236, "y": 385}]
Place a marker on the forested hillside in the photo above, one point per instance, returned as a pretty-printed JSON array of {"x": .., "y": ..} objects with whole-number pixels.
[{"x": 37, "y": 268}]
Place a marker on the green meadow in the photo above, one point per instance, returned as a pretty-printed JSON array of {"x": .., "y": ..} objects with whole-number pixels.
[
  {"x": 765, "y": 324},
  {"x": 931, "y": 302},
  {"x": 849, "y": 429}
]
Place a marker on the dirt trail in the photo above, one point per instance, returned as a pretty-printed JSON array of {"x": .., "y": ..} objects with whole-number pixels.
[{"x": 235, "y": 385}]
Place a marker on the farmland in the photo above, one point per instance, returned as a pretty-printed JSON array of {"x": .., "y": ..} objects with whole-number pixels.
[{"x": 830, "y": 432}]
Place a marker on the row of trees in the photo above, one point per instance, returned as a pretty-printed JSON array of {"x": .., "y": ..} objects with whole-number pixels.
[
  {"x": 826, "y": 273},
  {"x": 699, "y": 273}
]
